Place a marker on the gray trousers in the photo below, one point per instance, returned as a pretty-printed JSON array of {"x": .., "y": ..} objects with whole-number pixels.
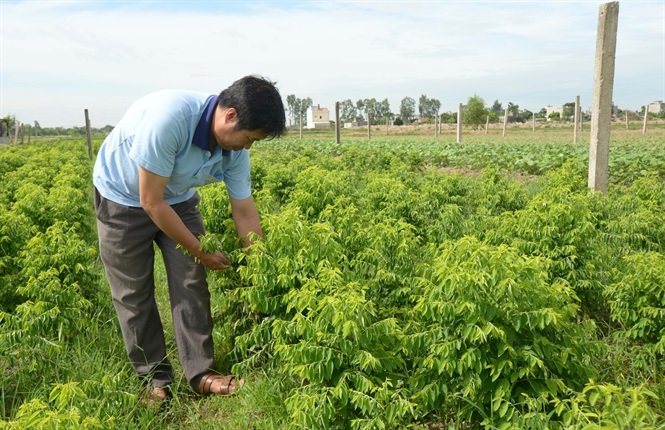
[{"x": 126, "y": 237}]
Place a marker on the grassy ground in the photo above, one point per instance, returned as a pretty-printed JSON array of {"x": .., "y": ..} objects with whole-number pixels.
[{"x": 258, "y": 405}]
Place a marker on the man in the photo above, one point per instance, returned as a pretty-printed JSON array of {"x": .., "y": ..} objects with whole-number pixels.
[{"x": 166, "y": 144}]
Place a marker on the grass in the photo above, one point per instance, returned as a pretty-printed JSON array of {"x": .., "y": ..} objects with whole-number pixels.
[{"x": 257, "y": 406}]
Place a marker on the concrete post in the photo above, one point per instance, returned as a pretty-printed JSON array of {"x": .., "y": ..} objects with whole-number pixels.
[
  {"x": 601, "y": 116},
  {"x": 88, "y": 133},
  {"x": 459, "y": 123},
  {"x": 16, "y": 126},
  {"x": 576, "y": 128},
  {"x": 487, "y": 124},
  {"x": 646, "y": 114},
  {"x": 369, "y": 127},
  {"x": 533, "y": 122},
  {"x": 505, "y": 122},
  {"x": 626, "y": 119},
  {"x": 337, "y": 124}
]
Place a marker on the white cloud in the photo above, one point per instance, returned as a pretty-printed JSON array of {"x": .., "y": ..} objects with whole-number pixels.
[{"x": 59, "y": 57}]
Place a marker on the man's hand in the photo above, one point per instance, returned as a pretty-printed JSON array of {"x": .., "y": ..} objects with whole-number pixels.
[{"x": 215, "y": 260}]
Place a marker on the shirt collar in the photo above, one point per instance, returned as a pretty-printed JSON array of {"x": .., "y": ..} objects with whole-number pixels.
[{"x": 202, "y": 133}]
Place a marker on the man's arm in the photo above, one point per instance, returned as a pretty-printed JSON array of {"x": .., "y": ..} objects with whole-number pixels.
[
  {"x": 246, "y": 219},
  {"x": 151, "y": 193}
]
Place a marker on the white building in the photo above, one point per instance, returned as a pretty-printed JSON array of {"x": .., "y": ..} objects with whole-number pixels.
[
  {"x": 552, "y": 109},
  {"x": 657, "y": 106},
  {"x": 318, "y": 117}
]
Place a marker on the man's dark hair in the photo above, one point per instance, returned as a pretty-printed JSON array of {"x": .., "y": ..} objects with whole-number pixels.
[{"x": 258, "y": 104}]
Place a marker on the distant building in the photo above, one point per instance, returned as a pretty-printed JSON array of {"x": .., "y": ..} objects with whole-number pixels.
[
  {"x": 318, "y": 117},
  {"x": 657, "y": 106},
  {"x": 549, "y": 109}
]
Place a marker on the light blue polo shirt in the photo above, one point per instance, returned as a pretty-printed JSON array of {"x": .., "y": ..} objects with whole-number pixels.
[{"x": 167, "y": 133}]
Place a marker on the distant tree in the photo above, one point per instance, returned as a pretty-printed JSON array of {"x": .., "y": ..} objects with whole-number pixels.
[
  {"x": 526, "y": 114},
  {"x": 554, "y": 116},
  {"x": 305, "y": 104},
  {"x": 36, "y": 129},
  {"x": 382, "y": 111},
  {"x": 435, "y": 106},
  {"x": 371, "y": 111},
  {"x": 407, "y": 109},
  {"x": 360, "y": 110},
  {"x": 347, "y": 110},
  {"x": 448, "y": 118},
  {"x": 297, "y": 108},
  {"x": 8, "y": 122},
  {"x": 292, "y": 108},
  {"x": 428, "y": 108},
  {"x": 398, "y": 121},
  {"x": 542, "y": 113},
  {"x": 475, "y": 113},
  {"x": 513, "y": 110},
  {"x": 568, "y": 111},
  {"x": 497, "y": 108}
]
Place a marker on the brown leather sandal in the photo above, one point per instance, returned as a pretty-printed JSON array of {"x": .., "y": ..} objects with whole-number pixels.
[
  {"x": 154, "y": 396},
  {"x": 223, "y": 385}
]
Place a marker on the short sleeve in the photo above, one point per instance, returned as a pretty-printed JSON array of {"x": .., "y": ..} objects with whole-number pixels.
[
  {"x": 157, "y": 141},
  {"x": 237, "y": 175}
]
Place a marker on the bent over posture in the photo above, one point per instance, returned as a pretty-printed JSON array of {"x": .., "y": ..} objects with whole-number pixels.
[{"x": 166, "y": 144}]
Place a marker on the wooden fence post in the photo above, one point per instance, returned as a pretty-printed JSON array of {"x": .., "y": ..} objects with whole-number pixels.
[{"x": 601, "y": 117}]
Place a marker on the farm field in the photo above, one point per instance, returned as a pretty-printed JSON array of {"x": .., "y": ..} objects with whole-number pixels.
[{"x": 404, "y": 282}]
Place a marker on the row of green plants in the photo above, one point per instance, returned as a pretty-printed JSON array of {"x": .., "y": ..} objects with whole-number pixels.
[
  {"x": 389, "y": 295},
  {"x": 49, "y": 287},
  {"x": 630, "y": 156}
]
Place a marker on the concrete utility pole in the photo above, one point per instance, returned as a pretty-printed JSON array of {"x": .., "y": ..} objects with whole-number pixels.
[
  {"x": 646, "y": 114},
  {"x": 88, "y": 133},
  {"x": 533, "y": 122},
  {"x": 505, "y": 121},
  {"x": 16, "y": 126},
  {"x": 300, "y": 126},
  {"x": 369, "y": 127},
  {"x": 626, "y": 119},
  {"x": 601, "y": 116},
  {"x": 459, "y": 123},
  {"x": 487, "y": 124},
  {"x": 337, "y": 124},
  {"x": 576, "y": 129}
]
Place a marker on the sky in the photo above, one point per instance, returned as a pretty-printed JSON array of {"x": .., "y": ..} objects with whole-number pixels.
[{"x": 58, "y": 58}]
